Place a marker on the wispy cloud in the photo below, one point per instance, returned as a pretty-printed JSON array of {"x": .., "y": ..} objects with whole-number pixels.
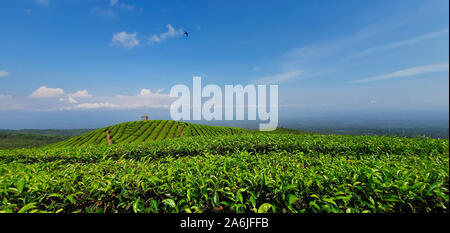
[
  {"x": 88, "y": 106},
  {"x": 313, "y": 60},
  {"x": 113, "y": 2},
  {"x": 2, "y": 96},
  {"x": 3, "y": 73},
  {"x": 171, "y": 32},
  {"x": 125, "y": 40},
  {"x": 126, "y": 6},
  {"x": 7, "y": 103},
  {"x": 257, "y": 68},
  {"x": 110, "y": 10},
  {"x": 277, "y": 78},
  {"x": 398, "y": 44},
  {"x": 103, "y": 12},
  {"x": 338, "y": 54},
  {"x": 45, "y": 3},
  {"x": 438, "y": 67}
]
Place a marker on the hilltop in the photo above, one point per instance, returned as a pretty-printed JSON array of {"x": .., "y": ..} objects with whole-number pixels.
[{"x": 145, "y": 131}]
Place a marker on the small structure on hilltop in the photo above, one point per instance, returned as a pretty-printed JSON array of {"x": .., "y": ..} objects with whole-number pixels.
[{"x": 144, "y": 118}]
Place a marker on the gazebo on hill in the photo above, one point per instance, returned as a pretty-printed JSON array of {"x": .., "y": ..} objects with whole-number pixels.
[{"x": 144, "y": 117}]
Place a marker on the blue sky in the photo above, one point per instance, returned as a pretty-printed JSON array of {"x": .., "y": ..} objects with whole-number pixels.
[{"x": 102, "y": 61}]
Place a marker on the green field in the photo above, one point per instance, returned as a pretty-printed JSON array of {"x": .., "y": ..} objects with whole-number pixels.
[
  {"x": 149, "y": 168},
  {"x": 29, "y": 138},
  {"x": 11, "y": 141}
]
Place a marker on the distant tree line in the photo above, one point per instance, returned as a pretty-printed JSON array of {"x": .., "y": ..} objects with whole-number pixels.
[{"x": 27, "y": 138}]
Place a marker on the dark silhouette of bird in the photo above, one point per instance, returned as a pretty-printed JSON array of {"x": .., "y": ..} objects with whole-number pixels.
[{"x": 187, "y": 34}]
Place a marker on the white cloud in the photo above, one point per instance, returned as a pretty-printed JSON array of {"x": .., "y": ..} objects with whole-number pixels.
[
  {"x": 68, "y": 99},
  {"x": 81, "y": 94},
  {"x": 126, "y": 40},
  {"x": 43, "y": 2},
  {"x": 87, "y": 106},
  {"x": 5, "y": 96},
  {"x": 56, "y": 99},
  {"x": 257, "y": 68},
  {"x": 45, "y": 99},
  {"x": 130, "y": 40},
  {"x": 281, "y": 77},
  {"x": 3, "y": 73},
  {"x": 45, "y": 92},
  {"x": 71, "y": 98},
  {"x": 171, "y": 32},
  {"x": 438, "y": 67},
  {"x": 144, "y": 99},
  {"x": 148, "y": 93},
  {"x": 8, "y": 103}
]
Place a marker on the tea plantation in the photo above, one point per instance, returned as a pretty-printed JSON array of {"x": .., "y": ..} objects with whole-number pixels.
[
  {"x": 152, "y": 167},
  {"x": 145, "y": 131}
]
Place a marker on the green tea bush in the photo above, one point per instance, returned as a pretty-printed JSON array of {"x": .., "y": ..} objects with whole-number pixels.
[{"x": 255, "y": 172}]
